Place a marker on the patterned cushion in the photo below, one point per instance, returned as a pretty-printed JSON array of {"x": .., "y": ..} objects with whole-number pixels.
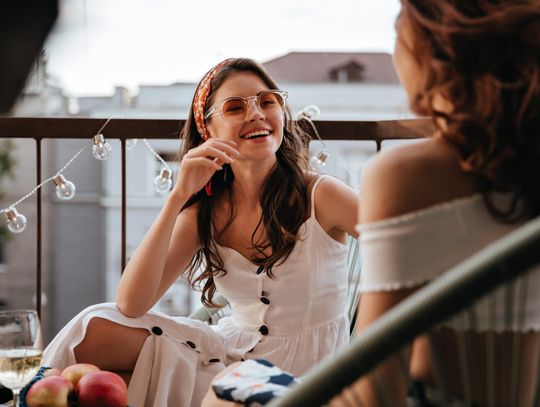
[{"x": 253, "y": 383}]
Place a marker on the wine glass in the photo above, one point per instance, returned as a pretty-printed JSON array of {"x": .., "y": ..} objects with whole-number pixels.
[{"x": 20, "y": 349}]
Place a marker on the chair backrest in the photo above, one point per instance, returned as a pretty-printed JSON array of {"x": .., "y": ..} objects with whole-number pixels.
[
  {"x": 212, "y": 315},
  {"x": 494, "y": 368},
  {"x": 355, "y": 269}
]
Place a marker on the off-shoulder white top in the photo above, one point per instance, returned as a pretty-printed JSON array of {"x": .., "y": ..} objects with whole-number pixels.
[{"x": 414, "y": 248}]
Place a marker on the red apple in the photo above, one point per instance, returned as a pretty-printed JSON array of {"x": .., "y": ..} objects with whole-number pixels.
[
  {"x": 50, "y": 391},
  {"x": 74, "y": 372},
  {"x": 102, "y": 389}
]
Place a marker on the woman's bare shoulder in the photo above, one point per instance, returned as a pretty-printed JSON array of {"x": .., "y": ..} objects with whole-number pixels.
[
  {"x": 336, "y": 205},
  {"x": 412, "y": 177}
]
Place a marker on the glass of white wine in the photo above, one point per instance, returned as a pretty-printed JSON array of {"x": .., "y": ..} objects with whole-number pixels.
[{"x": 20, "y": 349}]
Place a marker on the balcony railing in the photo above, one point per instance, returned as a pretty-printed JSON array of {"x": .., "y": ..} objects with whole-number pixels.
[{"x": 40, "y": 129}]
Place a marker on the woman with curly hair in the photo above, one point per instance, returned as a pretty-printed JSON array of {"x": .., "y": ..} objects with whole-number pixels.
[
  {"x": 473, "y": 67},
  {"x": 246, "y": 217}
]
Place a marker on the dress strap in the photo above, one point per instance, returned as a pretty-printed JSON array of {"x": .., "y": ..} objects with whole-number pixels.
[{"x": 312, "y": 214}]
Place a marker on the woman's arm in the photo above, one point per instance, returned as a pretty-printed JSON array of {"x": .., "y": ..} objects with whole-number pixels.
[
  {"x": 336, "y": 206},
  {"x": 162, "y": 256},
  {"x": 171, "y": 242}
]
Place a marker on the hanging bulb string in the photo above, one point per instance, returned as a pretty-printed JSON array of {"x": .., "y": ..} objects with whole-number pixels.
[
  {"x": 156, "y": 155},
  {"x": 304, "y": 117},
  {"x": 315, "y": 131},
  {"x": 354, "y": 178},
  {"x": 33, "y": 191},
  {"x": 28, "y": 195}
]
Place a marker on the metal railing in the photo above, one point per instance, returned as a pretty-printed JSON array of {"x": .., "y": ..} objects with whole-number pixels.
[{"x": 40, "y": 129}]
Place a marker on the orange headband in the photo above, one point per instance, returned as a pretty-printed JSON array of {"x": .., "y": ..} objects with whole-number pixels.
[{"x": 199, "y": 101}]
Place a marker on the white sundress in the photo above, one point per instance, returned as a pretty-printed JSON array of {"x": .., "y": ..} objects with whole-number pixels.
[{"x": 293, "y": 320}]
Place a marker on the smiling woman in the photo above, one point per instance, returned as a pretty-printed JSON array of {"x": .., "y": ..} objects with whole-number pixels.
[{"x": 246, "y": 217}]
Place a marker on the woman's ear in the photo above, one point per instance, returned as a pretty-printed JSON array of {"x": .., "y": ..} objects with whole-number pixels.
[{"x": 210, "y": 128}]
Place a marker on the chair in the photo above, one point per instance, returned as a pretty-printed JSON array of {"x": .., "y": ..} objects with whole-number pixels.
[
  {"x": 212, "y": 315},
  {"x": 484, "y": 380}
]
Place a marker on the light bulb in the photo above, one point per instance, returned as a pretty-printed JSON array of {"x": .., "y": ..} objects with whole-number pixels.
[
  {"x": 16, "y": 222},
  {"x": 310, "y": 112},
  {"x": 318, "y": 162},
  {"x": 163, "y": 182},
  {"x": 64, "y": 189},
  {"x": 131, "y": 143},
  {"x": 100, "y": 149}
]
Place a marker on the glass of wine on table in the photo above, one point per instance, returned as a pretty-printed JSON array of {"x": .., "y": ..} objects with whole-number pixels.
[{"x": 20, "y": 349}]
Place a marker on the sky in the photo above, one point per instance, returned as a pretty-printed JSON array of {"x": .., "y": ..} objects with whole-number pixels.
[{"x": 99, "y": 44}]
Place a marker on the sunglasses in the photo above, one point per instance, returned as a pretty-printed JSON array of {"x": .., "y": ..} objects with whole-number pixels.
[{"x": 236, "y": 109}]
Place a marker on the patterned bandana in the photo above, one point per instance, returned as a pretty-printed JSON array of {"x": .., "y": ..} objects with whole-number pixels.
[{"x": 200, "y": 98}]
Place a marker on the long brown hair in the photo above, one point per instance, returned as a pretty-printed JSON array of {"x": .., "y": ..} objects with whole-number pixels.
[
  {"x": 283, "y": 199},
  {"x": 483, "y": 57}
]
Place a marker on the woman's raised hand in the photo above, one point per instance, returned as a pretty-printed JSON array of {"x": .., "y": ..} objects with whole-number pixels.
[{"x": 200, "y": 163}]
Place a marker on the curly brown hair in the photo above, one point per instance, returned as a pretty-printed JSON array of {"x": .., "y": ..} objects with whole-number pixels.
[
  {"x": 483, "y": 57},
  {"x": 284, "y": 199}
]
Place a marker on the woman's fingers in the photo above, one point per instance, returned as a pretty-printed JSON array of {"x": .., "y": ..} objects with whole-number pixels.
[
  {"x": 201, "y": 162},
  {"x": 205, "y": 162},
  {"x": 212, "y": 153},
  {"x": 227, "y": 146}
]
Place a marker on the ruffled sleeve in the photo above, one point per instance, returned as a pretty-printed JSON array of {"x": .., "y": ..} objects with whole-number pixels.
[{"x": 412, "y": 249}]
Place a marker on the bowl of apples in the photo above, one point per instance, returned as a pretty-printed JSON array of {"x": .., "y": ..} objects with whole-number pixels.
[{"x": 81, "y": 385}]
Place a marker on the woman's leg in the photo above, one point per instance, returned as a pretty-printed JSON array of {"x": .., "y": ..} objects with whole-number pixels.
[{"x": 111, "y": 346}]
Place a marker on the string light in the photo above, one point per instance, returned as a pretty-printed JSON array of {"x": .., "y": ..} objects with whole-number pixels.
[
  {"x": 318, "y": 161},
  {"x": 101, "y": 148},
  {"x": 65, "y": 189},
  {"x": 131, "y": 143},
  {"x": 310, "y": 112},
  {"x": 16, "y": 221},
  {"x": 163, "y": 182}
]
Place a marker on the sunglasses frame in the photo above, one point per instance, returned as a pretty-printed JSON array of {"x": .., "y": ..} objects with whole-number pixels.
[{"x": 217, "y": 107}]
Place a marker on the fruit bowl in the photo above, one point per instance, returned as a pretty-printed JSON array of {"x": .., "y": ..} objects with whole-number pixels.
[{"x": 79, "y": 385}]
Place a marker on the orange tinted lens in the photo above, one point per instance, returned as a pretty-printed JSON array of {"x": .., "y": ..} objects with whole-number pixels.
[
  {"x": 234, "y": 108},
  {"x": 271, "y": 101}
]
